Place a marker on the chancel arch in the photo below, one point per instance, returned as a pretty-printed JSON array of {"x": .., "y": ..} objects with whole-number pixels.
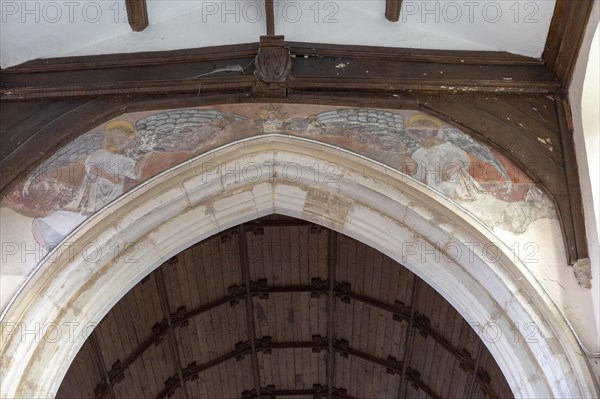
[{"x": 191, "y": 200}]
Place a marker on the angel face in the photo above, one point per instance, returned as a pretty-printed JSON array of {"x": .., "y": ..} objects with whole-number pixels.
[
  {"x": 118, "y": 135},
  {"x": 424, "y": 129}
]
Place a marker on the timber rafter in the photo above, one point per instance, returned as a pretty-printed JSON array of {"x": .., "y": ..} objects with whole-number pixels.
[{"x": 266, "y": 345}]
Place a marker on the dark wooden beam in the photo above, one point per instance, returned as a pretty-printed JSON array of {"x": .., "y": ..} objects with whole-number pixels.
[
  {"x": 254, "y": 345},
  {"x": 137, "y": 14},
  {"x": 570, "y": 202},
  {"x": 392, "y": 10},
  {"x": 183, "y": 315},
  {"x": 193, "y": 369},
  {"x": 410, "y": 332},
  {"x": 480, "y": 376},
  {"x": 391, "y": 365},
  {"x": 270, "y": 17},
  {"x": 260, "y": 287},
  {"x": 116, "y": 373},
  {"x": 250, "y": 324},
  {"x": 105, "y": 386},
  {"x": 171, "y": 384},
  {"x": 165, "y": 307},
  {"x": 473, "y": 378},
  {"x": 266, "y": 345},
  {"x": 317, "y": 392},
  {"x": 415, "y": 379},
  {"x": 314, "y": 67},
  {"x": 565, "y": 36},
  {"x": 134, "y": 60},
  {"x": 399, "y": 311},
  {"x": 421, "y": 323},
  {"x": 341, "y": 393},
  {"x": 332, "y": 260},
  {"x": 417, "y": 55}
]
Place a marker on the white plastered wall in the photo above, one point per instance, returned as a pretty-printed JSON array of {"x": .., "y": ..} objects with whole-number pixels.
[
  {"x": 584, "y": 95},
  {"x": 43, "y": 29}
]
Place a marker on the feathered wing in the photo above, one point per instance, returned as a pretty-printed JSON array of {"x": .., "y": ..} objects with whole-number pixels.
[
  {"x": 470, "y": 145},
  {"x": 176, "y": 131},
  {"x": 387, "y": 126},
  {"x": 75, "y": 151}
]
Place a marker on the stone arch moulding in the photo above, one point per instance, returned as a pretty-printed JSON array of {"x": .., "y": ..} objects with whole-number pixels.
[{"x": 69, "y": 292}]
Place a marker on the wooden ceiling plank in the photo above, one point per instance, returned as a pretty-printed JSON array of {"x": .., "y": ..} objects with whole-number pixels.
[
  {"x": 414, "y": 377},
  {"x": 137, "y": 14},
  {"x": 148, "y": 315},
  {"x": 444, "y": 358},
  {"x": 410, "y": 332},
  {"x": 165, "y": 307},
  {"x": 392, "y": 10},
  {"x": 473, "y": 377},
  {"x": 105, "y": 386},
  {"x": 250, "y": 322},
  {"x": 447, "y": 374},
  {"x": 332, "y": 261}
]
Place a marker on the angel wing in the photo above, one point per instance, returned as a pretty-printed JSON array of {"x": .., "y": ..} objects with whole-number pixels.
[
  {"x": 76, "y": 150},
  {"x": 387, "y": 126},
  {"x": 470, "y": 145},
  {"x": 180, "y": 130}
]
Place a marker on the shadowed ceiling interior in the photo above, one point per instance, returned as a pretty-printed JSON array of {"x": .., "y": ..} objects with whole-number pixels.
[{"x": 280, "y": 307}]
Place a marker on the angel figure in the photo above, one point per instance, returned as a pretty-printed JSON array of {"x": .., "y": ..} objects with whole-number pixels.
[
  {"x": 115, "y": 159},
  {"x": 443, "y": 160},
  {"x": 434, "y": 155},
  {"x": 105, "y": 172}
]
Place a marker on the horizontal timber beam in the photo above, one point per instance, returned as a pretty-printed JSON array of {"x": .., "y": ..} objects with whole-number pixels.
[{"x": 377, "y": 69}]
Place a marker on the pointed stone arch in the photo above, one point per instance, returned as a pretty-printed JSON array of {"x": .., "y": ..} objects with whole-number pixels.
[{"x": 78, "y": 284}]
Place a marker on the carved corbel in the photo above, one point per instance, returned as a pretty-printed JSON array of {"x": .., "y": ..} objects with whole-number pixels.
[
  {"x": 583, "y": 272},
  {"x": 273, "y": 67}
]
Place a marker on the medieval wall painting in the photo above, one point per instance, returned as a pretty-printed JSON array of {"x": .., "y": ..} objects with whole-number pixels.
[{"x": 99, "y": 166}]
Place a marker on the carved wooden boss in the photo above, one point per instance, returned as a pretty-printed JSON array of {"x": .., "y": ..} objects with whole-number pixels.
[
  {"x": 518, "y": 105},
  {"x": 273, "y": 67}
]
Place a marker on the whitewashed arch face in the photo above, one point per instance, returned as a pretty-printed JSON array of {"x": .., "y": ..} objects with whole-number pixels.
[{"x": 74, "y": 288}]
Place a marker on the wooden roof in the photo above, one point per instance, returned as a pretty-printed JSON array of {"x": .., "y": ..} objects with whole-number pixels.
[{"x": 280, "y": 307}]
